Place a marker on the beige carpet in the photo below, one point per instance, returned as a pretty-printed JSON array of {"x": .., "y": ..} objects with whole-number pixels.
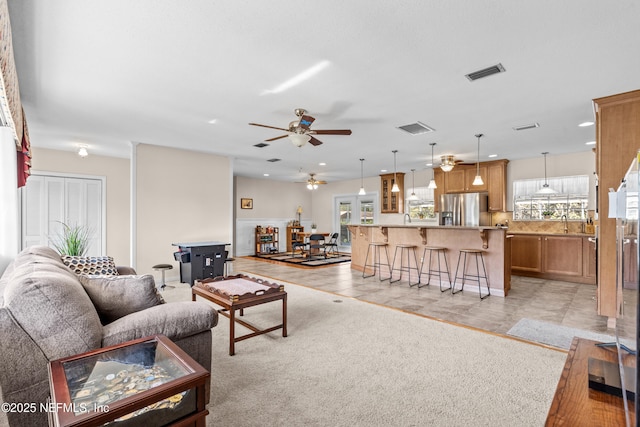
[{"x": 350, "y": 363}]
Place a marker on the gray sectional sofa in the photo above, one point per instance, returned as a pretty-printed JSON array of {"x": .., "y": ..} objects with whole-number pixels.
[{"x": 46, "y": 314}]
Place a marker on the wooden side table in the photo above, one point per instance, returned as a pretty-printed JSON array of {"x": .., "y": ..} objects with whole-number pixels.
[
  {"x": 148, "y": 381},
  {"x": 237, "y": 293},
  {"x": 574, "y": 403}
]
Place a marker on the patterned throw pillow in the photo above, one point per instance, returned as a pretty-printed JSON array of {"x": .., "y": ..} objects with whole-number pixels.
[{"x": 83, "y": 265}]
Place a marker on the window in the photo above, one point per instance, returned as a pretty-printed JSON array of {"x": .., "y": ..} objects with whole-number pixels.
[
  {"x": 571, "y": 199},
  {"x": 423, "y": 208}
]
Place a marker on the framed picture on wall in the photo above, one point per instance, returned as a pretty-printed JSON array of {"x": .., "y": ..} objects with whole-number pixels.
[{"x": 246, "y": 203}]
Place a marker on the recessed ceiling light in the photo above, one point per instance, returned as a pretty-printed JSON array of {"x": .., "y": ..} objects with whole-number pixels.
[
  {"x": 491, "y": 156},
  {"x": 429, "y": 164},
  {"x": 585, "y": 124},
  {"x": 590, "y": 143},
  {"x": 265, "y": 174},
  {"x": 213, "y": 121},
  {"x": 383, "y": 170},
  {"x": 322, "y": 164}
]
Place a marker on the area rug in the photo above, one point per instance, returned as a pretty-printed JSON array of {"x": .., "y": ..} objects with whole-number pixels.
[
  {"x": 298, "y": 260},
  {"x": 350, "y": 363},
  {"x": 557, "y": 335}
]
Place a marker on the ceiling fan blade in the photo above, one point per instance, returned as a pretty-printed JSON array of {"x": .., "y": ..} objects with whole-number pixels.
[
  {"x": 314, "y": 141},
  {"x": 332, "y": 132},
  {"x": 305, "y": 122},
  {"x": 321, "y": 182},
  {"x": 277, "y": 137},
  {"x": 270, "y": 127}
]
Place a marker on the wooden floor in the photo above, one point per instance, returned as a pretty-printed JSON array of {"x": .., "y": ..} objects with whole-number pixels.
[{"x": 562, "y": 303}]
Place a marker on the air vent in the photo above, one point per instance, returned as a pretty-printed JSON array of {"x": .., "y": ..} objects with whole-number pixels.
[
  {"x": 416, "y": 128},
  {"x": 261, "y": 145},
  {"x": 529, "y": 126},
  {"x": 273, "y": 160},
  {"x": 495, "y": 69}
]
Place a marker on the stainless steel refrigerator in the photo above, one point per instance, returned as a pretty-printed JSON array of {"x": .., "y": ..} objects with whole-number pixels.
[{"x": 465, "y": 209}]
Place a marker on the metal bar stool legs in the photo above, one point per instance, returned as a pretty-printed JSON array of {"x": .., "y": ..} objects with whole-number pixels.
[
  {"x": 440, "y": 253},
  {"x": 376, "y": 260},
  {"x": 405, "y": 249},
  {"x": 471, "y": 277}
]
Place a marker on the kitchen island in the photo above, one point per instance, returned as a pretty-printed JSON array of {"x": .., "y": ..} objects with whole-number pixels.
[{"x": 492, "y": 240}]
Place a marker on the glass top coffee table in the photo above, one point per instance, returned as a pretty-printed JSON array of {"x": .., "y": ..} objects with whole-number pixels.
[
  {"x": 148, "y": 381},
  {"x": 237, "y": 293}
]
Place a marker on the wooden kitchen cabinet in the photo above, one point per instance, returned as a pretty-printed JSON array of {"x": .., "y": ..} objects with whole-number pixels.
[
  {"x": 562, "y": 255},
  {"x": 391, "y": 202},
  {"x": 554, "y": 256},
  {"x": 438, "y": 177},
  {"x": 460, "y": 180},
  {"x": 526, "y": 253}
]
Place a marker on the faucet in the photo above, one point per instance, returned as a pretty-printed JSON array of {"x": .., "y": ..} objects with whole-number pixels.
[
  {"x": 563, "y": 218},
  {"x": 404, "y": 218}
]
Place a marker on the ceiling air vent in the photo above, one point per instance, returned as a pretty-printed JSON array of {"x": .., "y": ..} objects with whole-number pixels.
[
  {"x": 273, "y": 160},
  {"x": 261, "y": 145},
  {"x": 529, "y": 126},
  {"x": 494, "y": 69},
  {"x": 416, "y": 128}
]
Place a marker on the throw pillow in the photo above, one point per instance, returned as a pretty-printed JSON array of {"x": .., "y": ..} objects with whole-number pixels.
[
  {"x": 116, "y": 296},
  {"x": 90, "y": 265}
]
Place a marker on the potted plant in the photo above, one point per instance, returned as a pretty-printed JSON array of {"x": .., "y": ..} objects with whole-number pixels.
[
  {"x": 72, "y": 240},
  {"x": 547, "y": 214},
  {"x": 314, "y": 227}
]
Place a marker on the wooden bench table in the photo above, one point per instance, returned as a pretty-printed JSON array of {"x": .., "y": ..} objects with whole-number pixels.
[{"x": 237, "y": 293}]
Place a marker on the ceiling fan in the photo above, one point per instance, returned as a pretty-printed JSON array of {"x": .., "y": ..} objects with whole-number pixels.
[
  {"x": 312, "y": 182},
  {"x": 300, "y": 132}
]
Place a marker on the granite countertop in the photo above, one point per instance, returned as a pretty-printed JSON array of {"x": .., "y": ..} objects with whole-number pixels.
[
  {"x": 547, "y": 233},
  {"x": 425, "y": 225}
]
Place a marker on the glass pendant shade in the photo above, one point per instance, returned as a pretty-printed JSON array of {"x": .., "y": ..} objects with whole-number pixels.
[
  {"x": 432, "y": 184},
  {"x": 395, "y": 188},
  {"x": 362, "y": 192},
  {"x": 299, "y": 139},
  {"x": 478, "y": 179},
  {"x": 447, "y": 163},
  {"x": 545, "y": 187}
]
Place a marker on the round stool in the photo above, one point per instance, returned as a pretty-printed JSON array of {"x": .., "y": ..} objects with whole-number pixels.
[
  {"x": 375, "y": 262},
  {"x": 163, "y": 268},
  {"x": 471, "y": 277},
  {"x": 440, "y": 253},
  {"x": 405, "y": 249}
]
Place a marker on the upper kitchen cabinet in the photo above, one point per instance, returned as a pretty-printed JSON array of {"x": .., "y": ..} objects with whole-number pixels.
[
  {"x": 392, "y": 202},
  {"x": 460, "y": 180}
]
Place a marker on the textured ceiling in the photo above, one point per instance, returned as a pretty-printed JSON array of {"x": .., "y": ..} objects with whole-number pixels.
[{"x": 106, "y": 73}]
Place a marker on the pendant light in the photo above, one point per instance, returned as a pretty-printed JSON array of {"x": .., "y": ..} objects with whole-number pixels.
[
  {"x": 395, "y": 188},
  {"x": 545, "y": 187},
  {"x": 478, "y": 179},
  {"x": 413, "y": 189},
  {"x": 362, "y": 192},
  {"x": 432, "y": 184}
]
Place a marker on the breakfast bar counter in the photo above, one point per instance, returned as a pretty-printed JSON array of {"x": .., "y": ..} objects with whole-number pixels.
[{"x": 492, "y": 240}]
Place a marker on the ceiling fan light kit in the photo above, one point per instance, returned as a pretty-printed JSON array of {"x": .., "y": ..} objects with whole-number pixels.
[
  {"x": 448, "y": 162},
  {"x": 478, "y": 179}
]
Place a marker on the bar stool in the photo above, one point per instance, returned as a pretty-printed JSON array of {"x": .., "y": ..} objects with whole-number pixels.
[
  {"x": 163, "y": 268},
  {"x": 376, "y": 256},
  {"x": 471, "y": 277},
  {"x": 405, "y": 248},
  {"x": 440, "y": 253}
]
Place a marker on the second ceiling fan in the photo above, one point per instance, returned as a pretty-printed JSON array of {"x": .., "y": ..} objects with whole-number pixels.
[{"x": 300, "y": 132}]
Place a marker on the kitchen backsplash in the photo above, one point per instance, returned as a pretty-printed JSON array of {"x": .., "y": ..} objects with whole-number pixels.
[{"x": 542, "y": 226}]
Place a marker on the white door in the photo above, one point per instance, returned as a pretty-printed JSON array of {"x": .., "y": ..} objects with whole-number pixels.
[
  {"x": 48, "y": 201},
  {"x": 352, "y": 210}
]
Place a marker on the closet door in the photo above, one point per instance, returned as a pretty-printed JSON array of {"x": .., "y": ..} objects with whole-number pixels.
[{"x": 50, "y": 201}]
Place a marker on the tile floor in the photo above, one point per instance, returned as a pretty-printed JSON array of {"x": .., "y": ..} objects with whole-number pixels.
[{"x": 563, "y": 303}]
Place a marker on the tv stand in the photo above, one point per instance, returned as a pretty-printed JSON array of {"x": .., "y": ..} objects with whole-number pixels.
[{"x": 574, "y": 403}]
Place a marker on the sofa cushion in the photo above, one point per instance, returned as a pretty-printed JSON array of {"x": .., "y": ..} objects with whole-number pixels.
[
  {"x": 89, "y": 265},
  {"x": 47, "y": 300},
  {"x": 117, "y": 296}
]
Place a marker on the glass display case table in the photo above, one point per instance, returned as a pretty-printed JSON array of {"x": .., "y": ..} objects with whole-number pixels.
[
  {"x": 237, "y": 293},
  {"x": 148, "y": 381}
]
